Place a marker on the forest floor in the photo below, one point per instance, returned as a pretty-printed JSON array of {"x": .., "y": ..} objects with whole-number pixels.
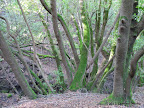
[{"x": 68, "y": 100}]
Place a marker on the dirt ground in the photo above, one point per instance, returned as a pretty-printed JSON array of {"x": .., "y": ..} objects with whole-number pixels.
[{"x": 68, "y": 100}]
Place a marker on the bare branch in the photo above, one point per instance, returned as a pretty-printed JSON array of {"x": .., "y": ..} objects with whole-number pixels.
[
  {"x": 103, "y": 43},
  {"x": 36, "y": 59}
]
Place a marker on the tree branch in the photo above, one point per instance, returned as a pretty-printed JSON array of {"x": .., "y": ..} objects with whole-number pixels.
[
  {"x": 134, "y": 61},
  {"x": 66, "y": 31},
  {"x": 20, "y": 53},
  {"x": 104, "y": 41}
]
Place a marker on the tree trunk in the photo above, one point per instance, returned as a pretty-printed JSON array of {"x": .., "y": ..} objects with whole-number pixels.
[
  {"x": 64, "y": 25},
  {"x": 122, "y": 46},
  {"x": 133, "y": 67},
  {"x": 135, "y": 29},
  {"x": 21, "y": 55},
  {"x": 118, "y": 97},
  {"x": 36, "y": 58},
  {"x": 78, "y": 78},
  {"x": 132, "y": 37},
  {"x": 55, "y": 53},
  {"x": 9, "y": 58},
  {"x": 59, "y": 39}
]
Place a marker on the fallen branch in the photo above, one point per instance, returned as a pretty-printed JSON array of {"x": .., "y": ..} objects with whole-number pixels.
[{"x": 40, "y": 55}]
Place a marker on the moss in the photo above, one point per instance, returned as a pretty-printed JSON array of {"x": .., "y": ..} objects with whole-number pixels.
[
  {"x": 77, "y": 83},
  {"x": 39, "y": 82},
  {"x": 9, "y": 95},
  {"x": 94, "y": 71},
  {"x": 89, "y": 85},
  {"x": 112, "y": 100},
  {"x": 54, "y": 51},
  {"x": 40, "y": 55},
  {"x": 78, "y": 33},
  {"x": 119, "y": 100},
  {"x": 32, "y": 94},
  {"x": 4, "y": 91}
]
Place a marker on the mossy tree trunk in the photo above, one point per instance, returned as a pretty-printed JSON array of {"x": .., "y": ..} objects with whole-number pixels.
[
  {"x": 78, "y": 78},
  {"x": 21, "y": 55},
  {"x": 55, "y": 53},
  {"x": 97, "y": 37},
  {"x": 136, "y": 28},
  {"x": 35, "y": 56},
  {"x": 9, "y": 58},
  {"x": 60, "y": 42},
  {"x": 65, "y": 27}
]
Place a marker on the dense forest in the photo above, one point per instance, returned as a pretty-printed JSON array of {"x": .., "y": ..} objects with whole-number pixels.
[{"x": 55, "y": 46}]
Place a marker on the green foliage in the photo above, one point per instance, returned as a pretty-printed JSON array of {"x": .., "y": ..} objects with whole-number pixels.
[
  {"x": 139, "y": 43},
  {"x": 13, "y": 14},
  {"x": 140, "y": 75},
  {"x": 59, "y": 85},
  {"x": 4, "y": 91},
  {"x": 1, "y": 59},
  {"x": 58, "y": 75},
  {"x": 9, "y": 95},
  {"x": 140, "y": 9}
]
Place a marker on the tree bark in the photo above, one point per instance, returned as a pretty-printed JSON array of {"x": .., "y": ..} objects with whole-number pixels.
[
  {"x": 135, "y": 29},
  {"x": 21, "y": 55},
  {"x": 64, "y": 25},
  {"x": 9, "y": 58},
  {"x": 103, "y": 43},
  {"x": 122, "y": 46},
  {"x": 59, "y": 39},
  {"x": 55, "y": 53},
  {"x": 133, "y": 67},
  {"x": 78, "y": 78},
  {"x": 36, "y": 58}
]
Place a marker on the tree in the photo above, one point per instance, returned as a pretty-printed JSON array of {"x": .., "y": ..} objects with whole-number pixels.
[
  {"x": 79, "y": 76},
  {"x": 59, "y": 39},
  {"x": 128, "y": 32},
  {"x": 36, "y": 59},
  {"x": 79, "y": 79},
  {"x": 8, "y": 56}
]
